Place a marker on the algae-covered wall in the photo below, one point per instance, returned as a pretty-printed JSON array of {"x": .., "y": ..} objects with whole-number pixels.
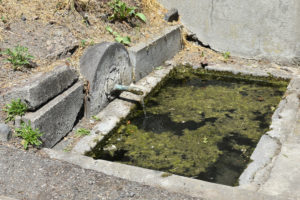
[{"x": 253, "y": 29}]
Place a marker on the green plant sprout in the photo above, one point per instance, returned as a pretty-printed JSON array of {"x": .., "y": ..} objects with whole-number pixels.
[
  {"x": 226, "y": 55},
  {"x": 124, "y": 40},
  {"x": 29, "y": 135},
  {"x": 122, "y": 11},
  {"x": 16, "y": 107},
  {"x": 18, "y": 56},
  {"x": 82, "y": 132},
  {"x": 94, "y": 117}
]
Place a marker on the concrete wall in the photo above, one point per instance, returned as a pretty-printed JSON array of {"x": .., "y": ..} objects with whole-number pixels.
[{"x": 252, "y": 29}]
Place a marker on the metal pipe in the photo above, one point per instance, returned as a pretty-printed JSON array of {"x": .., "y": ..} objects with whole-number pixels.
[{"x": 129, "y": 88}]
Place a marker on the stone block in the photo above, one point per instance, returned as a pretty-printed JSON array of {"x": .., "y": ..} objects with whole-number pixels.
[
  {"x": 146, "y": 56},
  {"x": 57, "y": 118},
  {"x": 104, "y": 65},
  {"x": 5, "y": 132},
  {"x": 43, "y": 87}
]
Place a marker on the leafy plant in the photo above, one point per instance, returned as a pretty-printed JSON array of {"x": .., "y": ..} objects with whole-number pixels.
[
  {"x": 18, "y": 56},
  {"x": 14, "y": 108},
  {"x": 29, "y": 135},
  {"x": 226, "y": 55},
  {"x": 124, "y": 40},
  {"x": 82, "y": 132},
  {"x": 122, "y": 11},
  {"x": 94, "y": 117}
]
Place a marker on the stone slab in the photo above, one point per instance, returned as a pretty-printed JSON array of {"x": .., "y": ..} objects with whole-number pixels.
[
  {"x": 146, "y": 56},
  {"x": 57, "y": 117},
  {"x": 5, "y": 132},
  {"x": 284, "y": 177},
  {"x": 43, "y": 87},
  {"x": 265, "y": 150},
  {"x": 104, "y": 65}
]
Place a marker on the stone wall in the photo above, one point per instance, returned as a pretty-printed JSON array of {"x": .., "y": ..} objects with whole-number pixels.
[{"x": 252, "y": 29}]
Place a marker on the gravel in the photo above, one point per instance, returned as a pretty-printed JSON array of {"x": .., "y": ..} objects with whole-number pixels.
[{"x": 28, "y": 175}]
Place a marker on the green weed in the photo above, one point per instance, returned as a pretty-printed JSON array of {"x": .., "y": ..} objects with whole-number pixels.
[
  {"x": 29, "y": 135},
  {"x": 121, "y": 11},
  {"x": 18, "y": 56},
  {"x": 124, "y": 40},
  {"x": 94, "y": 117},
  {"x": 226, "y": 55},
  {"x": 16, "y": 107},
  {"x": 82, "y": 132}
]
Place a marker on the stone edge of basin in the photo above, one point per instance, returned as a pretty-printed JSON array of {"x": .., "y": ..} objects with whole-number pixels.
[
  {"x": 270, "y": 143},
  {"x": 197, "y": 188},
  {"x": 145, "y": 56}
]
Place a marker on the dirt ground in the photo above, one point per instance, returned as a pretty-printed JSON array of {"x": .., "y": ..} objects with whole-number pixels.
[{"x": 57, "y": 34}]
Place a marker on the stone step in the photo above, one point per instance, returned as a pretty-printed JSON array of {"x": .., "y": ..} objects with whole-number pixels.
[
  {"x": 57, "y": 118},
  {"x": 42, "y": 87}
]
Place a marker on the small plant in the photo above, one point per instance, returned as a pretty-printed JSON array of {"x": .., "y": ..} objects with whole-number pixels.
[
  {"x": 29, "y": 135},
  {"x": 94, "y": 117},
  {"x": 13, "y": 109},
  {"x": 122, "y": 11},
  {"x": 83, "y": 43},
  {"x": 124, "y": 40},
  {"x": 82, "y": 132},
  {"x": 226, "y": 55},
  {"x": 18, "y": 56}
]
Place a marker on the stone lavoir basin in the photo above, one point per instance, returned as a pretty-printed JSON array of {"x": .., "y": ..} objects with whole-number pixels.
[{"x": 196, "y": 123}]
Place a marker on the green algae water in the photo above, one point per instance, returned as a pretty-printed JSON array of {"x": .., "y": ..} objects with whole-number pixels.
[{"x": 198, "y": 124}]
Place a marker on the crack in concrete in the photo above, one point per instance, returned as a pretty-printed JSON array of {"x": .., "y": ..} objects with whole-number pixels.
[{"x": 211, "y": 13}]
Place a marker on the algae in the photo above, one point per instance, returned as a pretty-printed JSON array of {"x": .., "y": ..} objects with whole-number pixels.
[{"x": 200, "y": 124}]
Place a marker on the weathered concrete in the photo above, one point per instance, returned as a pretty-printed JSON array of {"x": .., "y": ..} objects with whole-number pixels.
[
  {"x": 173, "y": 183},
  {"x": 104, "y": 65},
  {"x": 43, "y": 87},
  {"x": 5, "y": 132},
  {"x": 57, "y": 117},
  {"x": 146, "y": 56},
  {"x": 252, "y": 29},
  {"x": 284, "y": 177},
  {"x": 265, "y": 150}
]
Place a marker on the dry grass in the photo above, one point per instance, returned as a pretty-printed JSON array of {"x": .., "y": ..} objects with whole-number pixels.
[{"x": 69, "y": 13}]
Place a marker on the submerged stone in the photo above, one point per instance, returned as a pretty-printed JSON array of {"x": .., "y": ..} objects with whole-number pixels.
[{"x": 199, "y": 124}]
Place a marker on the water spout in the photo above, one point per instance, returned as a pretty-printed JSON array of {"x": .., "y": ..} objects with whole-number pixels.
[{"x": 131, "y": 89}]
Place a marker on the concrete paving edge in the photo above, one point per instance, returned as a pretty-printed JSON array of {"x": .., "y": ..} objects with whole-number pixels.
[{"x": 173, "y": 183}]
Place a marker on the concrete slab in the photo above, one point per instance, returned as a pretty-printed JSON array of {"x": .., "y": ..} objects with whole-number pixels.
[
  {"x": 146, "y": 56},
  {"x": 284, "y": 177},
  {"x": 57, "y": 117},
  {"x": 43, "y": 87}
]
